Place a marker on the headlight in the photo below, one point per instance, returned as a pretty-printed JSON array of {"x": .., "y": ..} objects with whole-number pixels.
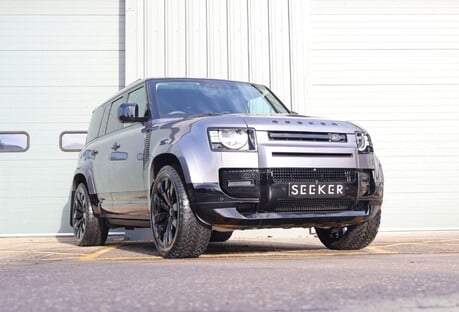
[
  {"x": 232, "y": 139},
  {"x": 363, "y": 141}
]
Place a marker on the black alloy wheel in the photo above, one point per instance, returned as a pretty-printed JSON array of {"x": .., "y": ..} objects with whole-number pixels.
[
  {"x": 88, "y": 229},
  {"x": 165, "y": 213},
  {"x": 176, "y": 231}
]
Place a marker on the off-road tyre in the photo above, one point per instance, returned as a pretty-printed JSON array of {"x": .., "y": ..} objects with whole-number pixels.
[
  {"x": 353, "y": 237},
  {"x": 217, "y": 237},
  {"x": 177, "y": 233},
  {"x": 88, "y": 229}
]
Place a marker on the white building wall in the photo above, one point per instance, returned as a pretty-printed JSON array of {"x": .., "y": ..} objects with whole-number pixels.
[
  {"x": 58, "y": 61},
  {"x": 390, "y": 66}
]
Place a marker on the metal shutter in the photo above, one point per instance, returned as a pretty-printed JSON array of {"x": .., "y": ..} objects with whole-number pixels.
[
  {"x": 392, "y": 66},
  {"x": 58, "y": 61}
]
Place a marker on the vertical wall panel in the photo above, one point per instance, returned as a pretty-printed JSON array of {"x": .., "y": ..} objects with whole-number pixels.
[
  {"x": 175, "y": 38},
  {"x": 135, "y": 49},
  {"x": 154, "y": 41},
  {"x": 279, "y": 46},
  {"x": 217, "y": 38},
  {"x": 299, "y": 52},
  {"x": 238, "y": 50},
  {"x": 196, "y": 34},
  {"x": 259, "y": 55}
]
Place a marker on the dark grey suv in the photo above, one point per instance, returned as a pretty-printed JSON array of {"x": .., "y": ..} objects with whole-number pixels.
[{"x": 195, "y": 159}]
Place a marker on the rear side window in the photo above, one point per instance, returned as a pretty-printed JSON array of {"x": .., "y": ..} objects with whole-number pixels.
[
  {"x": 114, "y": 122},
  {"x": 103, "y": 124},
  {"x": 94, "y": 124},
  {"x": 14, "y": 141}
]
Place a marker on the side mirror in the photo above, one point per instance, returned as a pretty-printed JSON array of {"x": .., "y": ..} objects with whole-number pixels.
[{"x": 129, "y": 112}]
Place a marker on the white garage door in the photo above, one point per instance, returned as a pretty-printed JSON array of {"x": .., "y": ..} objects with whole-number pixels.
[
  {"x": 58, "y": 60},
  {"x": 393, "y": 66}
]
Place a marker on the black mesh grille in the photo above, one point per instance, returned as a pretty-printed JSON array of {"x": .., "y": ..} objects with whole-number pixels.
[
  {"x": 317, "y": 205},
  {"x": 286, "y": 175}
]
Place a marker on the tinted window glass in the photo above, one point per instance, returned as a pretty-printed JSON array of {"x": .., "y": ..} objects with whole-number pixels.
[
  {"x": 72, "y": 141},
  {"x": 14, "y": 141},
  {"x": 94, "y": 124},
  {"x": 113, "y": 121},
  {"x": 188, "y": 98},
  {"x": 139, "y": 97},
  {"x": 103, "y": 124}
]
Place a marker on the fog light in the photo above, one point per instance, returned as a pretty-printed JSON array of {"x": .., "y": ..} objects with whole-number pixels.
[
  {"x": 364, "y": 188},
  {"x": 241, "y": 183}
]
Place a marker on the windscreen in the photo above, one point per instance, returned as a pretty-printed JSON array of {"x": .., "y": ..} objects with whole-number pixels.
[{"x": 191, "y": 98}]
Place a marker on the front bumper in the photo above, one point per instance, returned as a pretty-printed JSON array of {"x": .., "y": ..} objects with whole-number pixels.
[{"x": 259, "y": 198}]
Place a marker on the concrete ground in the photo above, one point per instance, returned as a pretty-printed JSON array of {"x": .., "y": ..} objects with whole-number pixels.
[{"x": 407, "y": 271}]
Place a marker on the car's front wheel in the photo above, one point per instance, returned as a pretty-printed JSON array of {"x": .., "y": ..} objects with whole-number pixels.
[
  {"x": 88, "y": 229},
  {"x": 351, "y": 237},
  {"x": 176, "y": 231}
]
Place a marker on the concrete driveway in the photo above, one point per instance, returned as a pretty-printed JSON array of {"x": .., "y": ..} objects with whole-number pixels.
[{"x": 399, "y": 271}]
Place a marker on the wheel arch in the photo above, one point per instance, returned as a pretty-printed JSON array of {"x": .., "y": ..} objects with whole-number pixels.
[
  {"x": 166, "y": 159},
  {"x": 81, "y": 178}
]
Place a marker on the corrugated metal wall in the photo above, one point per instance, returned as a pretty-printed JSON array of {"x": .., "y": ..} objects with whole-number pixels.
[
  {"x": 58, "y": 61},
  {"x": 390, "y": 65},
  {"x": 258, "y": 40}
]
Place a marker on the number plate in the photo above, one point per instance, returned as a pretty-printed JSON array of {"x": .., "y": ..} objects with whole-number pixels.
[{"x": 316, "y": 190}]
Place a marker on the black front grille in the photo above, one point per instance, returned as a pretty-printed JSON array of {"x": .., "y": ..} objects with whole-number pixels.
[
  {"x": 248, "y": 182},
  {"x": 307, "y": 136},
  {"x": 317, "y": 205},
  {"x": 286, "y": 175}
]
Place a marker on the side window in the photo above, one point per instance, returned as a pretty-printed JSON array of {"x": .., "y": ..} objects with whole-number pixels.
[
  {"x": 103, "y": 124},
  {"x": 14, "y": 141},
  {"x": 113, "y": 121},
  {"x": 139, "y": 97},
  {"x": 94, "y": 124}
]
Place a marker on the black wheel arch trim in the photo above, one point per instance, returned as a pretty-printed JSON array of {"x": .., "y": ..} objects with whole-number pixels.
[{"x": 86, "y": 177}]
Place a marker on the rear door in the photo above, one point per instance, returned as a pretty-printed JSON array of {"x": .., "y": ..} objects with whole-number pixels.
[
  {"x": 126, "y": 162},
  {"x": 97, "y": 152}
]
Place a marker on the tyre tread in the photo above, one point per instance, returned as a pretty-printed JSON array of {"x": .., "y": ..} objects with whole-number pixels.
[
  {"x": 96, "y": 231},
  {"x": 357, "y": 237},
  {"x": 192, "y": 237}
]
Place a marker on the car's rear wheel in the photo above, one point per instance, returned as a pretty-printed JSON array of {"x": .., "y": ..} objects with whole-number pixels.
[
  {"x": 88, "y": 229},
  {"x": 176, "y": 231},
  {"x": 351, "y": 237},
  {"x": 217, "y": 236}
]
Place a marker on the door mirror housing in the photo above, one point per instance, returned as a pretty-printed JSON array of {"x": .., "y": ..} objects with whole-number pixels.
[{"x": 129, "y": 112}]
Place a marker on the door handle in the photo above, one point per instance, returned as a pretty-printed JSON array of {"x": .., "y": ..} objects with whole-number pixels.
[
  {"x": 90, "y": 154},
  {"x": 115, "y": 146}
]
